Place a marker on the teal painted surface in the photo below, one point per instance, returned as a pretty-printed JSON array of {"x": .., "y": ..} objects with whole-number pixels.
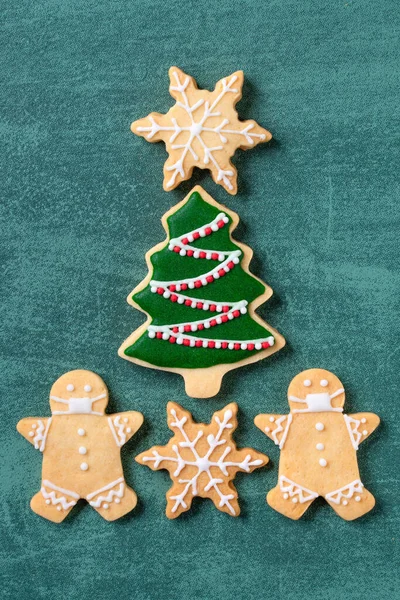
[{"x": 82, "y": 202}]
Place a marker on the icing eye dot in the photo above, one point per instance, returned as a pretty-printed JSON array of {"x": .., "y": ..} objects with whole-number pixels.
[
  {"x": 307, "y": 382},
  {"x": 324, "y": 382},
  {"x": 88, "y": 388},
  {"x": 70, "y": 387}
]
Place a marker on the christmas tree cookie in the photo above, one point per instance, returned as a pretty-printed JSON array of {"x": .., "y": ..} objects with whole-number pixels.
[
  {"x": 81, "y": 448},
  {"x": 201, "y": 130},
  {"x": 200, "y": 299},
  {"x": 202, "y": 460},
  {"x": 318, "y": 446}
]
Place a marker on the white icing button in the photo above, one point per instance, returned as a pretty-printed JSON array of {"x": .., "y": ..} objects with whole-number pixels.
[
  {"x": 70, "y": 387},
  {"x": 31, "y": 434},
  {"x": 345, "y": 503},
  {"x": 323, "y": 382},
  {"x": 363, "y": 420},
  {"x": 105, "y": 505},
  {"x": 365, "y": 432},
  {"x": 295, "y": 500},
  {"x": 320, "y": 447},
  {"x": 357, "y": 499},
  {"x": 272, "y": 419},
  {"x": 117, "y": 500},
  {"x": 81, "y": 431},
  {"x": 322, "y": 462},
  {"x": 319, "y": 426},
  {"x": 58, "y": 507},
  {"x": 286, "y": 496},
  {"x": 128, "y": 430},
  {"x": 307, "y": 382},
  {"x": 125, "y": 420},
  {"x": 33, "y": 425},
  {"x": 84, "y": 466},
  {"x": 48, "y": 501},
  {"x": 82, "y": 450},
  {"x": 87, "y": 388},
  {"x": 267, "y": 429}
]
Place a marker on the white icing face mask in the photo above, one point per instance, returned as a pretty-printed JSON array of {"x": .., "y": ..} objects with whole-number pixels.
[
  {"x": 77, "y": 406},
  {"x": 318, "y": 402}
]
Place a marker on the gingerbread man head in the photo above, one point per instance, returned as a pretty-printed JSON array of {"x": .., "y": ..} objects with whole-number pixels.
[
  {"x": 316, "y": 390},
  {"x": 79, "y": 392}
]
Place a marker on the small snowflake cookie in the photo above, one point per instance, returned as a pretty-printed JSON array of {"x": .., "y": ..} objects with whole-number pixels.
[
  {"x": 81, "y": 448},
  {"x": 200, "y": 299},
  {"x": 318, "y": 446},
  {"x": 202, "y": 460},
  {"x": 201, "y": 130}
]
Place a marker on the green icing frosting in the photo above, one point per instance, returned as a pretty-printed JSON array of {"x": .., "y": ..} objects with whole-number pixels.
[{"x": 236, "y": 285}]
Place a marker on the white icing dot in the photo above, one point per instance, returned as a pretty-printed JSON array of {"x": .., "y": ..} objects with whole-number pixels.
[
  {"x": 70, "y": 387},
  {"x": 58, "y": 507},
  {"x": 128, "y": 430},
  {"x": 82, "y": 450},
  {"x": 88, "y": 388},
  {"x": 34, "y": 425},
  {"x": 286, "y": 496},
  {"x": 31, "y": 433},
  {"x": 307, "y": 382},
  {"x": 320, "y": 447},
  {"x": 319, "y": 426},
  {"x": 84, "y": 466},
  {"x": 365, "y": 432},
  {"x": 323, "y": 382},
  {"x": 81, "y": 431},
  {"x": 105, "y": 505},
  {"x": 363, "y": 420},
  {"x": 322, "y": 462},
  {"x": 267, "y": 429},
  {"x": 272, "y": 419},
  {"x": 357, "y": 499},
  {"x": 345, "y": 503},
  {"x": 294, "y": 500},
  {"x": 126, "y": 420},
  {"x": 48, "y": 501},
  {"x": 117, "y": 500}
]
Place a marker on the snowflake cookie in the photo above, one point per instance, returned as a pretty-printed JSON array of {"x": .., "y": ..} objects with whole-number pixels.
[
  {"x": 81, "y": 449},
  {"x": 201, "y": 130},
  {"x": 202, "y": 460},
  {"x": 318, "y": 446}
]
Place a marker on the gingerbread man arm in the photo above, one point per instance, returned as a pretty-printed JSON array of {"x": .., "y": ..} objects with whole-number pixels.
[
  {"x": 124, "y": 425},
  {"x": 35, "y": 430},
  {"x": 276, "y": 427},
  {"x": 361, "y": 425}
]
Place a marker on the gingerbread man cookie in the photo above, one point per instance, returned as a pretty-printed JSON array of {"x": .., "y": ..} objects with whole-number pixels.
[
  {"x": 201, "y": 130},
  {"x": 202, "y": 460},
  {"x": 81, "y": 448},
  {"x": 318, "y": 446}
]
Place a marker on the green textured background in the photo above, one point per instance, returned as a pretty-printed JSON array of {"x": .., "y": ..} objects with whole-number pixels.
[{"x": 82, "y": 203}]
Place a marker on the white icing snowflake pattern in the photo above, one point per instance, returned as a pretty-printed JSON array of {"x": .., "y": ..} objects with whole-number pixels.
[
  {"x": 201, "y": 130},
  {"x": 209, "y": 470}
]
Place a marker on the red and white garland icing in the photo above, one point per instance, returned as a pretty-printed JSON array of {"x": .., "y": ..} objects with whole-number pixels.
[{"x": 170, "y": 290}]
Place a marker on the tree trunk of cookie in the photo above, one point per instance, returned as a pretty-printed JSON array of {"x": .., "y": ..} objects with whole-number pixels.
[{"x": 202, "y": 383}]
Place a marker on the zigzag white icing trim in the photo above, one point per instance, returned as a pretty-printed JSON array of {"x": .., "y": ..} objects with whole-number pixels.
[
  {"x": 279, "y": 422},
  {"x": 292, "y": 489},
  {"x": 355, "y": 487},
  {"x": 41, "y": 433},
  {"x": 52, "y": 496},
  {"x": 355, "y": 435},
  {"x": 110, "y": 496},
  {"x": 118, "y": 430}
]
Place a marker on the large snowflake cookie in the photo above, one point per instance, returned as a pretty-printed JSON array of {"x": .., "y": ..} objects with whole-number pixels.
[
  {"x": 81, "y": 449},
  {"x": 200, "y": 298},
  {"x": 202, "y": 460},
  {"x": 318, "y": 446},
  {"x": 201, "y": 130}
]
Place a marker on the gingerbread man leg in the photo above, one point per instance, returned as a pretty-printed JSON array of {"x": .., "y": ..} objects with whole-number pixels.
[
  {"x": 53, "y": 502},
  {"x": 113, "y": 500},
  {"x": 352, "y": 501},
  {"x": 289, "y": 507}
]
